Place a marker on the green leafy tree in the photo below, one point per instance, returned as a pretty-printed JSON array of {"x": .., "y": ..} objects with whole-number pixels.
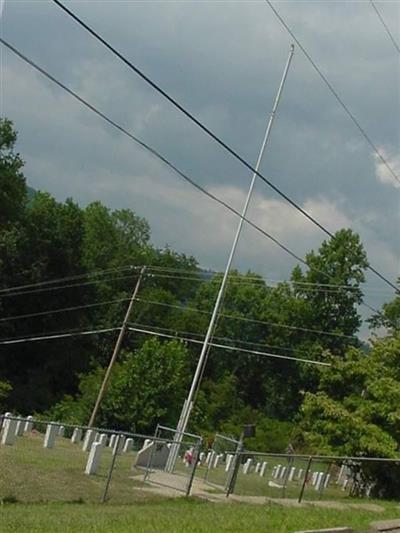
[
  {"x": 146, "y": 387},
  {"x": 340, "y": 261},
  {"x": 13, "y": 194},
  {"x": 356, "y": 410}
]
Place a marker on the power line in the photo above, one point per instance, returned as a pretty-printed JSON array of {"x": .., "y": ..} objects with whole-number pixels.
[
  {"x": 244, "y": 319},
  {"x": 226, "y": 339},
  {"x": 155, "y": 153},
  {"x": 62, "y": 310},
  {"x": 69, "y": 278},
  {"x": 395, "y": 44},
  {"x": 57, "y": 336},
  {"x": 333, "y": 91},
  {"x": 230, "y": 348},
  {"x": 224, "y": 145}
]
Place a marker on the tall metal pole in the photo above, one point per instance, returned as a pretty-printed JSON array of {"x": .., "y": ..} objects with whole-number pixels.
[
  {"x": 117, "y": 349},
  {"x": 187, "y": 406}
]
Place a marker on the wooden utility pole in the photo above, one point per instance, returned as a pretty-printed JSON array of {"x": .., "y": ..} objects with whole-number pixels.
[{"x": 117, "y": 349}]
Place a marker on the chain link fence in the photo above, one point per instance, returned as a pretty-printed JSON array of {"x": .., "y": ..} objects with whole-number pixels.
[
  {"x": 51, "y": 461},
  {"x": 314, "y": 478},
  {"x": 219, "y": 461}
]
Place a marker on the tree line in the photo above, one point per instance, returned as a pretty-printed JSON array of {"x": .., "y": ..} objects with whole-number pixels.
[{"x": 350, "y": 407}]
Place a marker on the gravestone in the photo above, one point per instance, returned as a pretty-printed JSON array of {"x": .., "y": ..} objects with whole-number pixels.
[
  {"x": 119, "y": 444},
  {"x": 277, "y": 471},
  {"x": 94, "y": 458},
  {"x": 8, "y": 436},
  {"x": 50, "y": 436},
  {"x": 258, "y": 466},
  {"x": 76, "y": 436},
  {"x": 112, "y": 441},
  {"x": 128, "y": 445},
  {"x": 157, "y": 451},
  {"x": 19, "y": 430},
  {"x": 247, "y": 466},
  {"x": 283, "y": 472},
  {"x": 89, "y": 439},
  {"x": 216, "y": 461},
  {"x": 318, "y": 482},
  {"x": 263, "y": 468},
  {"x": 300, "y": 473},
  {"x": 327, "y": 480},
  {"x": 5, "y": 419},
  {"x": 28, "y": 424},
  {"x": 229, "y": 459},
  {"x": 102, "y": 439},
  {"x": 291, "y": 473},
  {"x": 61, "y": 431}
]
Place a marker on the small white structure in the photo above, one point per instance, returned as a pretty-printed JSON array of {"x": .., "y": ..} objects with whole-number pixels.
[
  {"x": 76, "y": 436},
  {"x": 102, "y": 439},
  {"x": 112, "y": 441},
  {"x": 119, "y": 444},
  {"x": 28, "y": 424},
  {"x": 128, "y": 445},
  {"x": 318, "y": 482},
  {"x": 247, "y": 466},
  {"x": 300, "y": 473},
  {"x": 258, "y": 466},
  {"x": 5, "y": 419},
  {"x": 283, "y": 472},
  {"x": 94, "y": 458},
  {"x": 89, "y": 439},
  {"x": 9, "y": 427},
  {"x": 50, "y": 436},
  {"x": 291, "y": 473},
  {"x": 263, "y": 468},
  {"x": 61, "y": 431},
  {"x": 19, "y": 430},
  {"x": 229, "y": 459},
  {"x": 327, "y": 480}
]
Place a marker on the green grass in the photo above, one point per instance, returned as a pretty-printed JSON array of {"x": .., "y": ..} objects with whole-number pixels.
[
  {"x": 47, "y": 486},
  {"x": 179, "y": 515}
]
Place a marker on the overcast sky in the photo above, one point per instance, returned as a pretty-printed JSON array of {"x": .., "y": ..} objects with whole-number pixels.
[{"x": 223, "y": 61}]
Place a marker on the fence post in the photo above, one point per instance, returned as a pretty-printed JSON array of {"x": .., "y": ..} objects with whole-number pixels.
[
  {"x": 305, "y": 479},
  {"x": 238, "y": 455},
  {"x": 110, "y": 470},
  {"x": 195, "y": 461}
]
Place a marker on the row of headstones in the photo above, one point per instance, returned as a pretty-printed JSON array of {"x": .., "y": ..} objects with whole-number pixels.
[{"x": 14, "y": 427}]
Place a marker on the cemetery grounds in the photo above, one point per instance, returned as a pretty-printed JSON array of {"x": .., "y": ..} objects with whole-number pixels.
[{"x": 47, "y": 490}]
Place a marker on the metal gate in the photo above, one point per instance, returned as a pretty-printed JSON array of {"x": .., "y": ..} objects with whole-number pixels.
[{"x": 221, "y": 461}]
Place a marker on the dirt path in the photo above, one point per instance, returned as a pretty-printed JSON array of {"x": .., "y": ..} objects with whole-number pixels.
[{"x": 174, "y": 486}]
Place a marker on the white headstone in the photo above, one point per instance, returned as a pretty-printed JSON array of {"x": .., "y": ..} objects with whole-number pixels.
[
  {"x": 93, "y": 461},
  {"x": 90, "y": 436},
  {"x": 216, "y": 461},
  {"x": 112, "y": 440},
  {"x": 229, "y": 459},
  {"x": 263, "y": 468},
  {"x": 258, "y": 466},
  {"x": 278, "y": 471},
  {"x": 345, "y": 483},
  {"x": 120, "y": 442},
  {"x": 5, "y": 419},
  {"x": 318, "y": 483},
  {"x": 283, "y": 472},
  {"x": 103, "y": 439},
  {"x": 76, "y": 436},
  {"x": 208, "y": 458},
  {"x": 8, "y": 436},
  {"x": 314, "y": 478},
  {"x": 291, "y": 473},
  {"x": 300, "y": 473},
  {"x": 327, "y": 479},
  {"x": 19, "y": 430},
  {"x": 128, "y": 445},
  {"x": 61, "y": 431},
  {"x": 342, "y": 469},
  {"x": 50, "y": 436},
  {"x": 28, "y": 424},
  {"x": 202, "y": 457},
  {"x": 247, "y": 466}
]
